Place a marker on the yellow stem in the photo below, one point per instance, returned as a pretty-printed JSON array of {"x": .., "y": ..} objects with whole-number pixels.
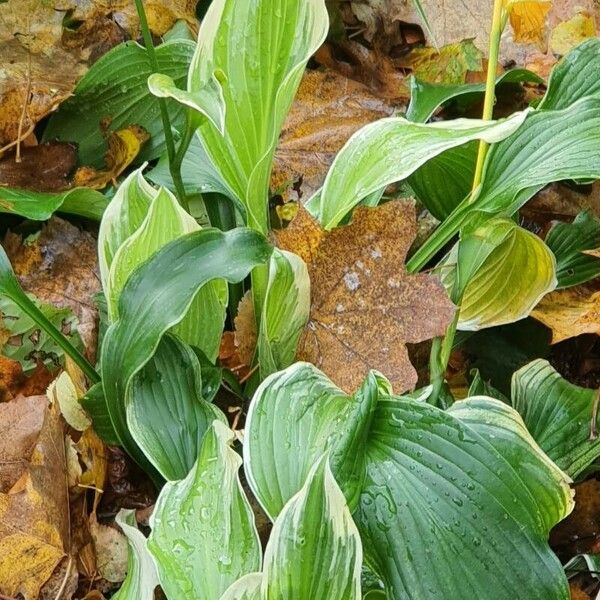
[{"x": 498, "y": 23}]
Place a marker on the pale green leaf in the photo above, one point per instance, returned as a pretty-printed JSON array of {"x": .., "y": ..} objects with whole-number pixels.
[
  {"x": 157, "y": 296},
  {"x": 466, "y": 498},
  {"x": 62, "y": 391},
  {"x": 314, "y": 550},
  {"x": 296, "y": 415},
  {"x": 285, "y": 312},
  {"x": 116, "y": 86},
  {"x": 166, "y": 413},
  {"x": 568, "y": 241},
  {"x": 245, "y": 588},
  {"x": 258, "y": 51},
  {"x": 391, "y": 150},
  {"x": 558, "y": 415},
  {"x": 203, "y": 533},
  {"x": 502, "y": 272},
  {"x": 141, "y": 573}
]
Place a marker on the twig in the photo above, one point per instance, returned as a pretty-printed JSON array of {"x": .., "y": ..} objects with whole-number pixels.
[
  {"x": 24, "y": 111},
  {"x": 63, "y": 585}
]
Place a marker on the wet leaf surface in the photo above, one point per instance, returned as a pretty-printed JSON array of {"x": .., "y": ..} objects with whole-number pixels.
[{"x": 365, "y": 307}]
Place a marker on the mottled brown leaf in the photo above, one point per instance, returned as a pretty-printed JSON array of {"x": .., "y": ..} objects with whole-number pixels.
[
  {"x": 43, "y": 168},
  {"x": 365, "y": 307},
  {"x": 34, "y": 515}
]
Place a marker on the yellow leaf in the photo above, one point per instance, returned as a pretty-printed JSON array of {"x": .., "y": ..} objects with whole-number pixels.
[
  {"x": 123, "y": 146},
  {"x": 528, "y": 20},
  {"x": 570, "y": 312},
  {"x": 365, "y": 307},
  {"x": 571, "y": 33}
]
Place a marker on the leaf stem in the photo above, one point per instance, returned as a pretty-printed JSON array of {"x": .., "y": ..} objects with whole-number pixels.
[
  {"x": 441, "y": 348},
  {"x": 164, "y": 113}
]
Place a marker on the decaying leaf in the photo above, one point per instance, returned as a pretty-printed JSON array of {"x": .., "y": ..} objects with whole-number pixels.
[
  {"x": 34, "y": 525},
  {"x": 327, "y": 110},
  {"x": 450, "y": 64},
  {"x": 62, "y": 391},
  {"x": 60, "y": 267},
  {"x": 111, "y": 550},
  {"x": 365, "y": 307},
  {"x": 568, "y": 34},
  {"x": 123, "y": 146},
  {"x": 245, "y": 330},
  {"x": 528, "y": 20},
  {"x": 570, "y": 312},
  {"x": 42, "y": 168}
]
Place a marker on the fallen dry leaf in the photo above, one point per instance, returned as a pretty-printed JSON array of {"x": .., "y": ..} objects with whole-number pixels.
[
  {"x": 327, "y": 110},
  {"x": 122, "y": 148},
  {"x": 570, "y": 312},
  {"x": 245, "y": 330},
  {"x": 34, "y": 520},
  {"x": 568, "y": 34},
  {"x": 365, "y": 307},
  {"x": 60, "y": 267},
  {"x": 43, "y": 168},
  {"x": 450, "y": 64},
  {"x": 528, "y": 20},
  {"x": 111, "y": 550}
]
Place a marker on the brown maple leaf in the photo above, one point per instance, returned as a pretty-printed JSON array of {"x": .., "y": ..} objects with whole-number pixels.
[{"x": 365, "y": 306}]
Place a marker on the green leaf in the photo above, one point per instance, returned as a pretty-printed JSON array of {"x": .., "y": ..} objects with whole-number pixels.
[
  {"x": 116, "y": 87},
  {"x": 370, "y": 159},
  {"x": 295, "y": 416},
  {"x": 164, "y": 220},
  {"x": 583, "y": 563},
  {"x": 208, "y": 101},
  {"x": 314, "y": 550},
  {"x": 245, "y": 588},
  {"x": 28, "y": 343},
  {"x": 480, "y": 387},
  {"x": 576, "y": 76},
  {"x": 465, "y": 497},
  {"x": 40, "y": 206},
  {"x": 95, "y": 406},
  {"x": 158, "y": 295},
  {"x": 426, "y": 97},
  {"x": 141, "y": 573},
  {"x": 166, "y": 413},
  {"x": 549, "y": 146},
  {"x": 558, "y": 415},
  {"x": 568, "y": 242},
  {"x": 285, "y": 312},
  {"x": 11, "y": 289},
  {"x": 203, "y": 533},
  {"x": 258, "y": 52},
  {"x": 502, "y": 272}
]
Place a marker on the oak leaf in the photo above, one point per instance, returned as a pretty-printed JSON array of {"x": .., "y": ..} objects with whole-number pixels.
[
  {"x": 123, "y": 146},
  {"x": 34, "y": 522},
  {"x": 570, "y": 312},
  {"x": 365, "y": 307}
]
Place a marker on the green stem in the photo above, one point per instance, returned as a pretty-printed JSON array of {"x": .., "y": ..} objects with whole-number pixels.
[
  {"x": 162, "y": 103},
  {"x": 260, "y": 274},
  {"x": 441, "y": 348},
  {"x": 32, "y": 311}
]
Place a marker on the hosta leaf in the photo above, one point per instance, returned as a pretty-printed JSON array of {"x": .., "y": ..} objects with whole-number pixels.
[
  {"x": 294, "y": 417},
  {"x": 469, "y": 483},
  {"x": 370, "y": 160},
  {"x": 426, "y": 97},
  {"x": 245, "y": 588},
  {"x": 39, "y": 206},
  {"x": 558, "y": 415},
  {"x": 502, "y": 272},
  {"x": 568, "y": 241},
  {"x": 166, "y": 413},
  {"x": 257, "y": 51},
  {"x": 285, "y": 312},
  {"x": 116, "y": 88},
  {"x": 122, "y": 218},
  {"x": 203, "y": 534},
  {"x": 315, "y": 550},
  {"x": 158, "y": 295},
  {"x": 574, "y": 77},
  {"x": 549, "y": 146},
  {"x": 141, "y": 573}
]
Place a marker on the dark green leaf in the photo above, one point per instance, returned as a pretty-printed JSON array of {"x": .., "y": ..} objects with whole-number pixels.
[{"x": 94, "y": 404}]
